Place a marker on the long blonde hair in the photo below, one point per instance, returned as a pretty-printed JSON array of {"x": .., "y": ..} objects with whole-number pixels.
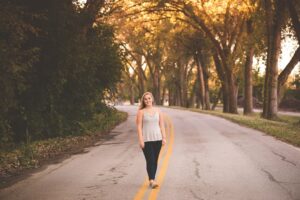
[{"x": 142, "y": 104}]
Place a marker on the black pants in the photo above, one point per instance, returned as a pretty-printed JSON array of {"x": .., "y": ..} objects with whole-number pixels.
[{"x": 151, "y": 151}]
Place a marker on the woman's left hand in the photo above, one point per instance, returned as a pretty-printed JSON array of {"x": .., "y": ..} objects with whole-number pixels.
[{"x": 164, "y": 141}]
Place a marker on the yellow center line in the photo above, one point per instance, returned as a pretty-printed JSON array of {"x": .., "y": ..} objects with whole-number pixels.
[
  {"x": 163, "y": 170},
  {"x": 165, "y": 155},
  {"x": 140, "y": 194}
]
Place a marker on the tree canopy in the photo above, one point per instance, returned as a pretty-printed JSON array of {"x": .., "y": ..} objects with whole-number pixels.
[{"x": 56, "y": 63}]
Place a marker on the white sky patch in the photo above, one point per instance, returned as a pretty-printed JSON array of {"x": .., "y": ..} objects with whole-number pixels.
[
  {"x": 144, "y": 65},
  {"x": 81, "y": 2},
  {"x": 288, "y": 48},
  {"x": 131, "y": 71}
]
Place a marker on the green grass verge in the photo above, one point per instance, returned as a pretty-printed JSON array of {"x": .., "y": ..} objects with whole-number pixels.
[
  {"x": 285, "y": 128},
  {"x": 34, "y": 154}
]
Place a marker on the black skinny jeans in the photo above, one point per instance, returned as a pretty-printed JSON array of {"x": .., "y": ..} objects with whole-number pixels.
[{"x": 151, "y": 151}]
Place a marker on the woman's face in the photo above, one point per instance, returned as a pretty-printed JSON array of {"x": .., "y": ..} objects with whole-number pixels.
[{"x": 148, "y": 100}]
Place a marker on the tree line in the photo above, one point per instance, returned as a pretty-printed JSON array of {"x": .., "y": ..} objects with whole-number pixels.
[
  {"x": 57, "y": 61},
  {"x": 199, "y": 51}
]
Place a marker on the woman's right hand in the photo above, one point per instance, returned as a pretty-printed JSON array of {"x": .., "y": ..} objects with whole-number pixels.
[{"x": 142, "y": 144}]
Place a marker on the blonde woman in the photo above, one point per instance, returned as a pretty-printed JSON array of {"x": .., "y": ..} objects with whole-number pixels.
[{"x": 151, "y": 134}]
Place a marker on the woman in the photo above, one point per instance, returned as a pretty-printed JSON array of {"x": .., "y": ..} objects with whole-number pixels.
[{"x": 151, "y": 133}]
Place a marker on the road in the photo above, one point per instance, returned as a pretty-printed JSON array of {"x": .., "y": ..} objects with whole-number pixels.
[{"x": 206, "y": 158}]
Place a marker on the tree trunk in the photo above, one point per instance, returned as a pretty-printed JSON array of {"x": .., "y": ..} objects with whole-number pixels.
[
  {"x": 274, "y": 26},
  {"x": 197, "y": 92},
  {"x": 170, "y": 99},
  {"x": 267, "y": 73},
  {"x": 140, "y": 75},
  {"x": 131, "y": 95},
  {"x": 200, "y": 78},
  {"x": 269, "y": 27},
  {"x": 177, "y": 97},
  {"x": 225, "y": 98},
  {"x": 232, "y": 92},
  {"x": 156, "y": 86},
  {"x": 215, "y": 103},
  {"x": 248, "y": 89},
  {"x": 224, "y": 83},
  {"x": 184, "y": 86},
  {"x": 177, "y": 88},
  {"x": 193, "y": 96},
  {"x": 206, "y": 86},
  {"x": 228, "y": 85},
  {"x": 163, "y": 95}
]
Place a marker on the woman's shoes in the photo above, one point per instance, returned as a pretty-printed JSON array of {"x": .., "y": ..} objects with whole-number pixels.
[{"x": 153, "y": 185}]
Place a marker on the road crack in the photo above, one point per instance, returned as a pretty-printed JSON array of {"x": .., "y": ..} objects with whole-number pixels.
[
  {"x": 283, "y": 158},
  {"x": 197, "y": 171},
  {"x": 195, "y": 195},
  {"x": 272, "y": 178}
]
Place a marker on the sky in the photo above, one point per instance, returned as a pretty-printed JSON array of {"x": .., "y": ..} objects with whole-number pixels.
[{"x": 288, "y": 47}]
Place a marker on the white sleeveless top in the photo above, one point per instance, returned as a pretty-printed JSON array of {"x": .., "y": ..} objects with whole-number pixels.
[{"x": 151, "y": 129}]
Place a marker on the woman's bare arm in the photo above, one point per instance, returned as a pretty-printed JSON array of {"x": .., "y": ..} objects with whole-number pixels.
[
  {"x": 139, "y": 120},
  {"x": 162, "y": 127}
]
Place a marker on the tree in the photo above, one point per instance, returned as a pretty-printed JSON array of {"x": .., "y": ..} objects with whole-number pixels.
[
  {"x": 248, "y": 100},
  {"x": 223, "y": 25},
  {"x": 274, "y": 23},
  {"x": 59, "y": 63}
]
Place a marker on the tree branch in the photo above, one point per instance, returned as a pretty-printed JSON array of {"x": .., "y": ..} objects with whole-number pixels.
[{"x": 283, "y": 76}]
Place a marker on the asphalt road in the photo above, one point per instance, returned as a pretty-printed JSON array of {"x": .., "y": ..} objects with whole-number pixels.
[{"x": 206, "y": 158}]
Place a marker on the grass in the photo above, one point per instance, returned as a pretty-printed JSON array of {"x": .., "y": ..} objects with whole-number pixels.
[
  {"x": 285, "y": 128},
  {"x": 34, "y": 154}
]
